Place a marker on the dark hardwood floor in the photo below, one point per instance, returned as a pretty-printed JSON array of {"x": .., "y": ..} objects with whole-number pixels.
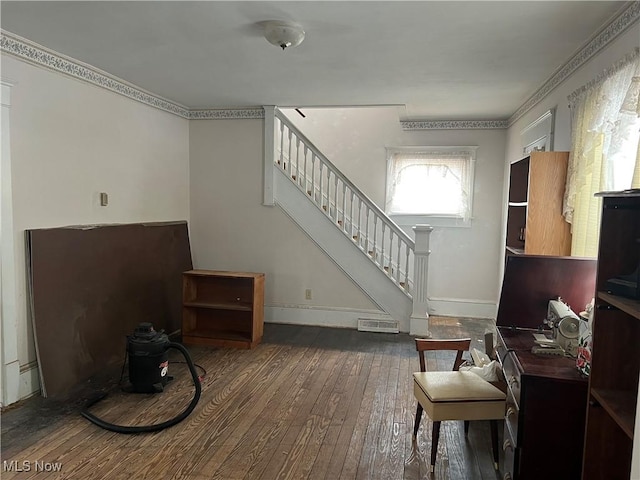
[{"x": 307, "y": 403}]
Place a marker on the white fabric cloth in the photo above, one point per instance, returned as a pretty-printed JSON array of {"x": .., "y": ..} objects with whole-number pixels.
[{"x": 605, "y": 154}]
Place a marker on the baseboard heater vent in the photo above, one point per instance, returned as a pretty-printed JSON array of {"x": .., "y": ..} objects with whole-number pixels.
[{"x": 386, "y": 326}]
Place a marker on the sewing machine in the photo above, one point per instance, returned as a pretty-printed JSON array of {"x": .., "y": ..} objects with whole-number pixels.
[{"x": 565, "y": 326}]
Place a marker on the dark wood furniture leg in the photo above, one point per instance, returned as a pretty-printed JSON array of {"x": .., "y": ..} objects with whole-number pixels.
[
  {"x": 416, "y": 424},
  {"x": 494, "y": 442},
  {"x": 435, "y": 436}
]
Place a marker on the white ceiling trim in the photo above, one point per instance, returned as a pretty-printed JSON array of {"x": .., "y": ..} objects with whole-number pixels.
[
  {"x": 33, "y": 53},
  {"x": 627, "y": 18}
]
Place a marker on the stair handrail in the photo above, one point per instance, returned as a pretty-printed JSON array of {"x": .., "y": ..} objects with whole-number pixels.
[{"x": 372, "y": 205}]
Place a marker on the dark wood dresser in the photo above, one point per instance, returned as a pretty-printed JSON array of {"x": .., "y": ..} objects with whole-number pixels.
[
  {"x": 546, "y": 410},
  {"x": 546, "y": 396}
]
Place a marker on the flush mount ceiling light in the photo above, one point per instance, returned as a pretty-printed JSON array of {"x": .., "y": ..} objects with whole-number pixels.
[{"x": 283, "y": 34}]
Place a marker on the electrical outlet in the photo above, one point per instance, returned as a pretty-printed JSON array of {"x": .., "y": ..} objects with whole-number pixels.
[{"x": 307, "y": 294}]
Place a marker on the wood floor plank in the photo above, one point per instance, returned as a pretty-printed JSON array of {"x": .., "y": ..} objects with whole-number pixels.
[
  {"x": 377, "y": 437},
  {"x": 359, "y": 374},
  {"x": 359, "y": 432},
  {"x": 301, "y": 425}
]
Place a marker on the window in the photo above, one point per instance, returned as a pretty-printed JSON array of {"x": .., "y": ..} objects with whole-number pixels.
[{"x": 430, "y": 181}]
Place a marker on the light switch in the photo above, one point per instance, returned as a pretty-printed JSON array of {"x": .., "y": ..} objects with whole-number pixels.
[{"x": 104, "y": 199}]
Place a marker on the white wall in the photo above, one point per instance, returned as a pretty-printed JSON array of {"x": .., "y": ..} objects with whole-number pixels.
[
  {"x": 70, "y": 141},
  {"x": 464, "y": 263},
  {"x": 232, "y": 230}
]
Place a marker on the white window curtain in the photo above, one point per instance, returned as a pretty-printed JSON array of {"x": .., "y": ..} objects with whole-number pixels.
[
  {"x": 605, "y": 154},
  {"x": 430, "y": 183}
]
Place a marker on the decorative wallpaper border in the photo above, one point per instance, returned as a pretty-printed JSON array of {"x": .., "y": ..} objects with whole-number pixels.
[
  {"x": 38, "y": 55},
  {"x": 452, "y": 124},
  {"x": 227, "y": 114}
]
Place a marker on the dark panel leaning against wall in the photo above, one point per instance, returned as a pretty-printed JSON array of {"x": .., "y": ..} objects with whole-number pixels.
[{"x": 90, "y": 286}]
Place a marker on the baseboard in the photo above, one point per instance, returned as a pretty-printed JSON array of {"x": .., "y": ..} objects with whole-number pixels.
[
  {"x": 29, "y": 380},
  {"x": 323, "y": 316},
  {"x": 348, "y": 318},
  {"x": 462, "y": 307}
]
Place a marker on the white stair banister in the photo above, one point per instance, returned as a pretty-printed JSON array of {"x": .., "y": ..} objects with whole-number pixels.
[
  {"x": 359, "y": 219},
  {"x": 419, "y": 322}
]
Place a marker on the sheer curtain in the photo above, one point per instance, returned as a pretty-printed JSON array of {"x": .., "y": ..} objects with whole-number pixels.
[
  {"x": 605, "y": 154},
  {"x": 430, "y": 182}
]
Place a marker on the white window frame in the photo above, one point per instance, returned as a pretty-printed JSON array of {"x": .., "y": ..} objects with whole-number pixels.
[{"x": 434, "y": 219}]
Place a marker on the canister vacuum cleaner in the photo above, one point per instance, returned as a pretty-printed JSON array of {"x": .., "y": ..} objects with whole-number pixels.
[{"x": 147, "y": 353}]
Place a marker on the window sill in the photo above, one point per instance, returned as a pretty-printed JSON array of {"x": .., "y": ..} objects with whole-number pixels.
[{"x": 446, "y": 221}]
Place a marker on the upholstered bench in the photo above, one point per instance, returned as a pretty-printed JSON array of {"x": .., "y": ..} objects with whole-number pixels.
[{"x": 455, "y": 395}]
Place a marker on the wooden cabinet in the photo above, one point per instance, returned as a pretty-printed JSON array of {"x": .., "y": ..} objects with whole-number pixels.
[
  {"x": 615, "y": 367},
  {"x": 545, "y": 410},
  {"x": 535, "y": 224},
  {"x": 223, "y": 309}
]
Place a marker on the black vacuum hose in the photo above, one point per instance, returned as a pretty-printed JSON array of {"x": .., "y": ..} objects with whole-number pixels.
[{"x": 160, "y": 426}]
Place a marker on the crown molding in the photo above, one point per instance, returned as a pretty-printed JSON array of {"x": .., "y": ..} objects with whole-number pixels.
[
  {"x": 609, "y": 33},
  {"x": 227, "y": 114},
  {"x": 453, "y": 124}
]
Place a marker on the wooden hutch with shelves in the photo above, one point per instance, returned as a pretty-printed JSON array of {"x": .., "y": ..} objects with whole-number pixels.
[
  {"x": 224, "y": 309},
  {"x": 535, "y": 225},
  {"x": 615, "y": 367}
]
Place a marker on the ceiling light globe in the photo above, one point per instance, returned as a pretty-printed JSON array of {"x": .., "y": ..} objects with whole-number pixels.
[{"x": 283, "y": 34}]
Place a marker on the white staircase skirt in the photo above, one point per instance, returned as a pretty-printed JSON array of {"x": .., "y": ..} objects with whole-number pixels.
[{"x": 346, "y": 254}]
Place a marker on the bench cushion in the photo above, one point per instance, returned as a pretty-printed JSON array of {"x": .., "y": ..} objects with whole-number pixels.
[{"x": 458, "y": 396}]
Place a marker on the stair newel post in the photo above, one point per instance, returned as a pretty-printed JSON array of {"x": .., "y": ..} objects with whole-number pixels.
[
  {"x": 271, "y": 126},
  {"x": 419, "y": 322}
]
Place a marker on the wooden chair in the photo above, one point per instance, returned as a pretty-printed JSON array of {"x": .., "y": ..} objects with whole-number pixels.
[{"x": 455, "y": 395}]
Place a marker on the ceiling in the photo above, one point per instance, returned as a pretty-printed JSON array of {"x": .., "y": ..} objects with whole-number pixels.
[{"x": 449, "y": 60}]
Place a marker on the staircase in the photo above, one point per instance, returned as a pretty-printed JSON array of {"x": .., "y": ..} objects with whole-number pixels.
[{"x": 362, "y": 240}]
